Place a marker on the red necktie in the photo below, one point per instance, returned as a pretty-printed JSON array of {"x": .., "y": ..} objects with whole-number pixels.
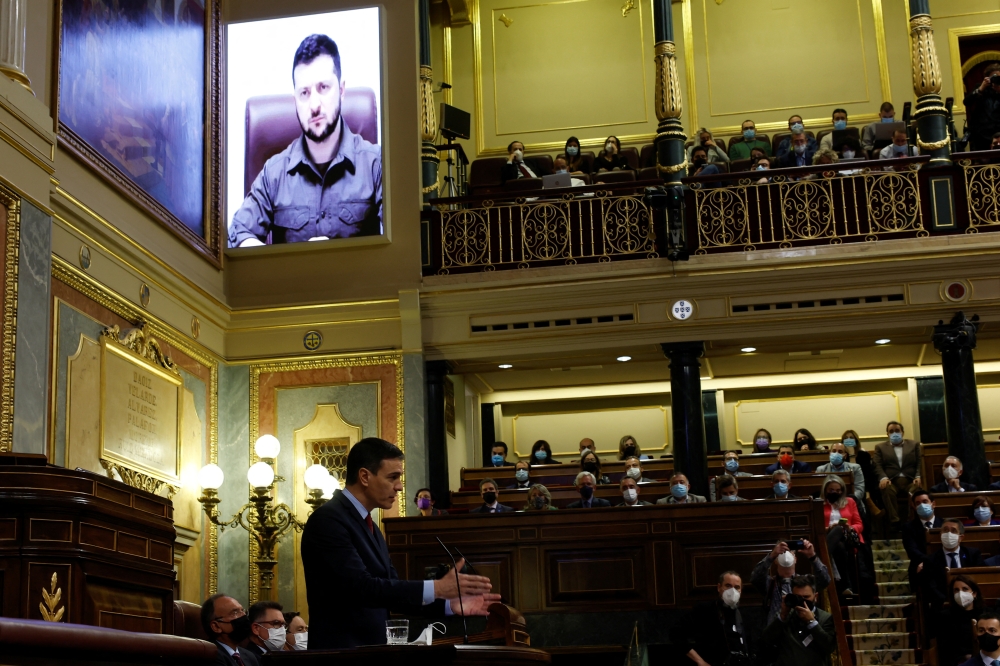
[
  {"x": 524, "y": 170},
  {"x": 239, "y": 660},
  {"x": 369, "y": 523}
]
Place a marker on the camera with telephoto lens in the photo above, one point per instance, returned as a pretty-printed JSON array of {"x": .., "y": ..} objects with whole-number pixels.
[
  {"x": 793, "y": 600},
  {"x": 995, "y": 80}
]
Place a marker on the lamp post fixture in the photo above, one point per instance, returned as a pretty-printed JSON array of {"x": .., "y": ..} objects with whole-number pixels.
[{"x": 265, "y": 521}]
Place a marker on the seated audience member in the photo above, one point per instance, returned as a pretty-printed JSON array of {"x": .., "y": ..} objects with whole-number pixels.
[
  {"x": 425, "y": 502},
  {"x": 728, "y": 489},
  {"x": 699, "y": 163},
  {"x": 849, "y": 149},
  {"x": 987, "y": 640},
  {"x": 843, "y": 525},
  {"x": 952, "y": 472},
  {"x": 839, "y": 124},
  {"x": 628, "y": 448},
  {"x": 680, "y": 492},
  {"x": 886, "y": 115},
  {"x": 895, "y": 477},
  {"x": 915, "y": 537},
  {"x": 227, "y": 625},
  {"x": 757, "y": 154},
  {"x": 521, "y": 474},
  {"x": 267, "y": 627},
  {"x": 586, "y": 484},
  {"x": 586, "y": 444},
  {"x": 898, "y": 148},
  {"x": 715, "y": 153},
  {"x": 773, "y": 575},
  {"x": 763, "y": 164},
  {"x": 574, "y": 160},
  {"x": 839, "y": 463},
  {"x": 539, "y": 499},
  {"x": 800, "y": 154},
  {"x": 781, "y": 486},
  {"x": 741, "y": 149},
  {"x": 762, "y": 441},
  {"x": 611, "y": 158},
  {"x": 787, "y": 144},
  {"x": 953, "y": 555},
  {"x": 519, "y": 166},
  {"x": 803, "y": 634},
  {"x": 730, "y": 466},
  {"x": 633, "y": 470},
  {"x": 559, "y": 165},
  {"x": 955, "y": 626},
  {"x": 787, "y": 462},
  {"x": 804, "y": 440},
  {"x": 498, "y": 457},
  {"x": 982, "y": 513},
  {"x": 713, "y": 633},
  {"x": 591, "y": 463},
  {"x": 630, "y": 493},
  {"x": 825, "y": 156},
  {"x": 541, "y": 454},
  {"x": 488, "y": 490},
  {"x": 297, "y": 637}
]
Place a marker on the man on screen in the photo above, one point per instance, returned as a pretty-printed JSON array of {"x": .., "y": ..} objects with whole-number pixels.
[{"x": 328, "y": 182}]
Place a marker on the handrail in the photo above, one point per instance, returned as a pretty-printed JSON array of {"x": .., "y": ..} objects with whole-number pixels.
[
  {"x": 874, "y": 165},
  {"x": 551, "y": 192}
]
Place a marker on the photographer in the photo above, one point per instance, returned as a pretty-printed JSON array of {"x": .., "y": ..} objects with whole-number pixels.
[
  {"x": 713, "y": 151},
  {"x": 983, "y": 108},
  {"x": 713, "y": 633},
  {"x": 773, "y": 574},
  {"x": 803, "y": 634}
]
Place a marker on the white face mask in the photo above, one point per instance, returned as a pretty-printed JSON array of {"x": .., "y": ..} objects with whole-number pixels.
[
  {"x": 630, "y": 495},
  {"x": 731, "y": 597},
  {"x": 848, "y": 154},
  {"x": 949, "y": 540},
  {"x": 950, "y": 472},
  {"x": 786, "y": 559},
  {"x": 963, "y": 598},
  {"x": 518, "y": 155},
  {"x": 275, "y": 638},
  {"x": 634, "y": 473},
  {"x": 301, "y": 641},
  {"x": 609, "y": 147}
]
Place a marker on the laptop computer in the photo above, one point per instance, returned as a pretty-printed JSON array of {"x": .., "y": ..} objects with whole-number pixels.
[{"x": 555, "y": 180}]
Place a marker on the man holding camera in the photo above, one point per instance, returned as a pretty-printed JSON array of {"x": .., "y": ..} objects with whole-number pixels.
[
  {"x": 983, "y": 107},
  {"x": 776, "y": 582},
  {"x": 803, "y": 634}
]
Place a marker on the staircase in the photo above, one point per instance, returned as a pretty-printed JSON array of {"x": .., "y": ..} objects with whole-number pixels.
[{"x": 885, "y": 633}]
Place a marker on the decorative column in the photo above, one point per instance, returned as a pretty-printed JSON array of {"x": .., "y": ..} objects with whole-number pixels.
[
  {"x": 671, "y": 159},
  {"x": 13, "y": 32},
  {"x": 690, "y": 452},
  {"x": 931, "y": 115},
  {"x": 428, "y": 120},
  {"x": 437, "y": 435},
  {"x": 955, "y": 341}
]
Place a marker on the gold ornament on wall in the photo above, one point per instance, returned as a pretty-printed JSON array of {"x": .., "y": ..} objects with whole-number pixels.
[
  {"x": 627, "y": 7},
  {"x": 668, "y": 87},
  {"x": 428, "y": 119},
  {"x": 505, "y": 20},
  {"x": 49, "y": 606},
  {"x": 926, "y": 69}
]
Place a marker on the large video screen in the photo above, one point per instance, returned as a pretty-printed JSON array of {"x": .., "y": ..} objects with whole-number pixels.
[{"x": 304, "y": 130}]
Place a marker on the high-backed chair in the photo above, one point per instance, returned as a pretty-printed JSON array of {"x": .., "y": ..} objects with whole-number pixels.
[
  {"x": 647, "y": 156},
  {"x": 851, "y": 131},
  {"x": 272, "y": 124},
  {"x": 740, "y": 165},
  {"x": 521, "y": 184},
  {"x": 621, "y": 176},
  {"x": 631, "y": 155},
  {"x": 648, "y": 173},
  {"x": 543, "y": 162},
  {"x": 187, "y": 621},
  {"x": 484, "y": 175},
  {"x": 588, "y": 158}
]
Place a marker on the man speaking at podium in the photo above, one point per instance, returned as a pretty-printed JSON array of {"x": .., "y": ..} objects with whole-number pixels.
[{"x": 351, "y": 584}]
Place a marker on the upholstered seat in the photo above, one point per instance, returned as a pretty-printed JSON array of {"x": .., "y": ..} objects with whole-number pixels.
[{"x": 622, "y": 176}]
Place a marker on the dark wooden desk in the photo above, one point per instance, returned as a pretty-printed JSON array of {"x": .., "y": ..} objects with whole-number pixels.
[
  {"x": 412, "y": 655},
  {"x": 959, "y": 505},
  {"x": 933, "y": 455},
  {"x": 986, "y": 539}
]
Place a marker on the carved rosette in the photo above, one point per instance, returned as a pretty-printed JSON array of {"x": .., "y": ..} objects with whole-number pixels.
[
  {"x": 926, "y": 69},
  {"x": 668, "y": 87},
  {"x": 428, "y": 119}
]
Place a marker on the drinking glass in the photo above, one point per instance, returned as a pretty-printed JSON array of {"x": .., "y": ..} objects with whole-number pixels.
[{"x": 397, "y": 631}]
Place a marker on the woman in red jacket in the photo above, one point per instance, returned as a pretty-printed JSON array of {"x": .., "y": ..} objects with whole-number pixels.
[{"x": 844, "y": 530}]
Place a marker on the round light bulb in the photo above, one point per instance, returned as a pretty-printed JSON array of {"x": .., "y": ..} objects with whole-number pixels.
[
  {"x": 624, "y": 359},
  {"x": 267, "y": 447},
  {"x": 748, "y": 350},
  {"x": 330, "y": 485},
  {"x": 883, "y": 341},
  {"x": 315, "y": 476},
  {"x": 210, "y": 477},
  {"x": 260, "y": 475}
]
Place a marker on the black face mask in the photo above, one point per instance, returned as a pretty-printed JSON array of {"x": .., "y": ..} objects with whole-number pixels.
[
  {"x": 586, "y": 492},
  {"x": 629, "y": 451},
  {"x": 489, "y": 497},
  {"x": 989, "y": 642},
  {"x": 833, "y": 497},
  {"x": 590, "y": 467},
  {"x": 241, "y": 629},
  {"x": 697, "y": 163}
]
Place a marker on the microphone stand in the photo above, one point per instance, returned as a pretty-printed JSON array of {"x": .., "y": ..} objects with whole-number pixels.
[{"x": 458, "y": 584}]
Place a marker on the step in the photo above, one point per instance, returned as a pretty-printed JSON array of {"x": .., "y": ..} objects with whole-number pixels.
[
  {"x": 885, "y": 657},
  {"x": 878, "y": 626},
  {"x": 893, "y": 641},
  {"x": 904, "y": 600},
  {"x": 900, "y": 575},
  {"x": 882, "y": 544},
  {"x": 895, "y": 555},
  {"x": 893, "y": 589},
  {"x": 893, "y": 565},
  {"x": 876, "y": 612}
]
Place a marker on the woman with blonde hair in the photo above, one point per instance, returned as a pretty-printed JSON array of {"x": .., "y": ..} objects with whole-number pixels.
[
  {"x": 844, "y": 528},
  {"x": 628, "y": 448},
  {"x": 539, "y": 499}
]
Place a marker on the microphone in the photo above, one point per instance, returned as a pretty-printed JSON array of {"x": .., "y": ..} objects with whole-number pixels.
[{"x": 461, "y": 606}]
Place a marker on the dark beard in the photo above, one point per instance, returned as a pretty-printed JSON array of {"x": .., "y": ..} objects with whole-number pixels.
[{"x": 326, "y": 133}]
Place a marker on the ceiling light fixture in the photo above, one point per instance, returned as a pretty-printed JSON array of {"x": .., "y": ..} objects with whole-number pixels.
[
  {"x": 506, "y": 366},
  {"x": 623, "y": 359},
  {"x": 883, "y": 341},
  {"x": 747, "y": 350}
]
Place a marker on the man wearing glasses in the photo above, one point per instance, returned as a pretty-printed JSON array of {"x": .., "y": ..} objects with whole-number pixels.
[
  {"x": 227, "y": 625},
  {"x": 267, "y": 627}
]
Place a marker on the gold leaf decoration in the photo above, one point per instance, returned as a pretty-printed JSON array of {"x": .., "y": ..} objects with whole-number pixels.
[
  {"x": 506, "y": 20},
  {"x": 50, "y": 602},
  {"x": 142, "y": 343},
  {"x": 627, "y": 7}
]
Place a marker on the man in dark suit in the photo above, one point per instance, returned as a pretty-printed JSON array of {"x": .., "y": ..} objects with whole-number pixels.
[
  {"x": 519, "y": 166},
  {"x": 801, "y": 154},
  {"x": 988, "y": 637},
  {"x": 488, "y": 490},
  {"x": 522, "y": 476},
  {"x": 952, "y": 472},
  {"x": 227, "y": 625},
  {"x": 802, "y": 635},
  {"x": 713, "y": 632},
  {"x": 897, "y": 465},
  {"x": 787, "y": 462},
  {"x": 498, "y": 456},
  {"x": 915, "y": 536},
  {"x": 350, "y": 581},
  {"x": 267, "y": 627},
  {"x": 953, "y": 555},
  {"x": 585, "y": 485},
  {"x": 781, "y": 486}
]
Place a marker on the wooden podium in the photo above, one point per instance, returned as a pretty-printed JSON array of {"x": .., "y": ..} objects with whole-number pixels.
[{"x": 412, "y": 655}]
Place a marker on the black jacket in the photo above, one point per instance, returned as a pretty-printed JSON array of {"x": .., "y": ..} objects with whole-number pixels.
[
  {"x": 943, "y": 487},
  {"x": 511, "y": 172},
  {"x": 595, "y": 502},
  {"x": 343, "y": 560},
  {"x": 983, "y": 109},
  {"x": 222, "y": 657},
  {"x": 937, "y": 574},
  {"x": 482, "y": 508},
  {"x": 915, "y": 543},
  {"x": 956, "y": 635},
  {"x": 703, "y": 630}
]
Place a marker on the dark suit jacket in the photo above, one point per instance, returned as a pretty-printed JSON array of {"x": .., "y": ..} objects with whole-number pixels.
[
  {"x": 943, "y": 487},
  {"x": 515, "y": 486},
  {"x": 343, "y": 560},
  {"x": 886, "y": 464},
  {"x": 505, "y": 464},
  {"x": 915, "y": 541},
  {"x": 595, "y": 502},
  {"x": 222, "y": 657},
  {"x": 257, "y": 650},
  {"x": 501, "y": 508},
  {"x": 798, "y": 467},
  {"x": 640, "y": 503},
  {"x": 937, "y": 574},
  {"x": 702, "y": 630},
  {"x": 511, "y": 172},
  {"x": 783, "y": 638}
]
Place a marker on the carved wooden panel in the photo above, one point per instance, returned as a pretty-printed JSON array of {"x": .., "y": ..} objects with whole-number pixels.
[{"x": 598, "y": 576}]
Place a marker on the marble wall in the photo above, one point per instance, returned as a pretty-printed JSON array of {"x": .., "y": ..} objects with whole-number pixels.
[
  {"x": 234, "y": 459},
  {"x": 414, "y": 419}
]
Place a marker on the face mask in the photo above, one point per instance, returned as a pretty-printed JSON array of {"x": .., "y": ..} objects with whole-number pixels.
[
  {"x": 762, "y": 447},
  {"x": 540, "y": 454},
  {"x": 630, "y": 495},
  {"x": 896, "y": 438},
  {"x": 521, "y": 475},
  {"x": 836, "y": 459},
  {"x": 732, "y": 465},
  {"x": 983, "y": 514},
  {"x": 749, "y": 134},
  {"x": 762, "y": 443},
  {"x": 609, "y": 147},
  {"x": 786, "y": 559},
  {"x": 849, "y": 442},
  {"x": 839, "y": 124},
  {"x": 629, "y": 451},
  {"x": 963, "y": 598},
  {"x": 586, "y": 492},
  {"x": 800, "y": 149},
  {"x": 848, "y": 154},
  {"x": 241, "y": 629},
  {"x": 423, "y": 503},
  {"x": 833, "y": 498},
  {"x": 786, "y": 460},
  {"x": 301, "y": 641},
  {"x": 679, "y": 491},
  {"x": 539, "y": 502},
  {"x": 989, "y": 642},
  {"x": 899, "y": 150},
  {"x": 700, "y": 162},
  {"x": 634, "y": 473},
  {"x": 781, "y": 489},
  {"x": 275, "y": 638},
  {"x": 731, "y": 597},
  {"x": 590, "y": 467},
  {"x": 572, "y": 151},
  {"x": 888, "y": 120},
  {"x": 489, "y": 497},
  {"x": 950, "y": 473},
  {"x": 497, "y": 459},
  {"x": 518, "y": 155},
  {"x": 925, "y": 510},
  {"x": 729, "y": 498},
  {"x": 562, "y": 171},
  {"x": 796, "y": 128},
  {"x": 949, "y": 540}
]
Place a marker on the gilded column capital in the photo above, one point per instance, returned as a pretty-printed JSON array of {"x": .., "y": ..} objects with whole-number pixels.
[
  {"x": 925, "y": 65},
  {"x": 428, "y": 118},
  {"x": 669, "y": 102}
]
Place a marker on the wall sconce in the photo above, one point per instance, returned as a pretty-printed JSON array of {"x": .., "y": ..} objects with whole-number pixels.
[{"x": 264, "y": 520}]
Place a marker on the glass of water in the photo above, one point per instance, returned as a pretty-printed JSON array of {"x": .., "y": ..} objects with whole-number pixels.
[{"x": 397, "y": 632}]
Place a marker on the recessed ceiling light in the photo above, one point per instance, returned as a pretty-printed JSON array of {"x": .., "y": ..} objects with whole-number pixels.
[
  {"x": 883, "y": 341},
  {"x": 506, "y": 366},
  {"x": 623, "y": 359},
  {"x": 747, "y": 350}
]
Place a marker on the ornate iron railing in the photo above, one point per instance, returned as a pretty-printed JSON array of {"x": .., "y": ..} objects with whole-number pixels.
[{"x": 982, "y": 192}]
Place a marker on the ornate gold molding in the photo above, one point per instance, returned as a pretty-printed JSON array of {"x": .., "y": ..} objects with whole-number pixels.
[
  {"x": 926, "y": 69},
  {"x": 428, "y": 119},
  {"x": 672, "y": 169},
  {"x": 935, "y": 145},
  {"x": 7, "y": 347},
  {"x": 49, "y": 605},
  {"x": 135, "y": 479},
  {"x": 668, "y": 89},
  {"x": 144, "y": 345}
]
